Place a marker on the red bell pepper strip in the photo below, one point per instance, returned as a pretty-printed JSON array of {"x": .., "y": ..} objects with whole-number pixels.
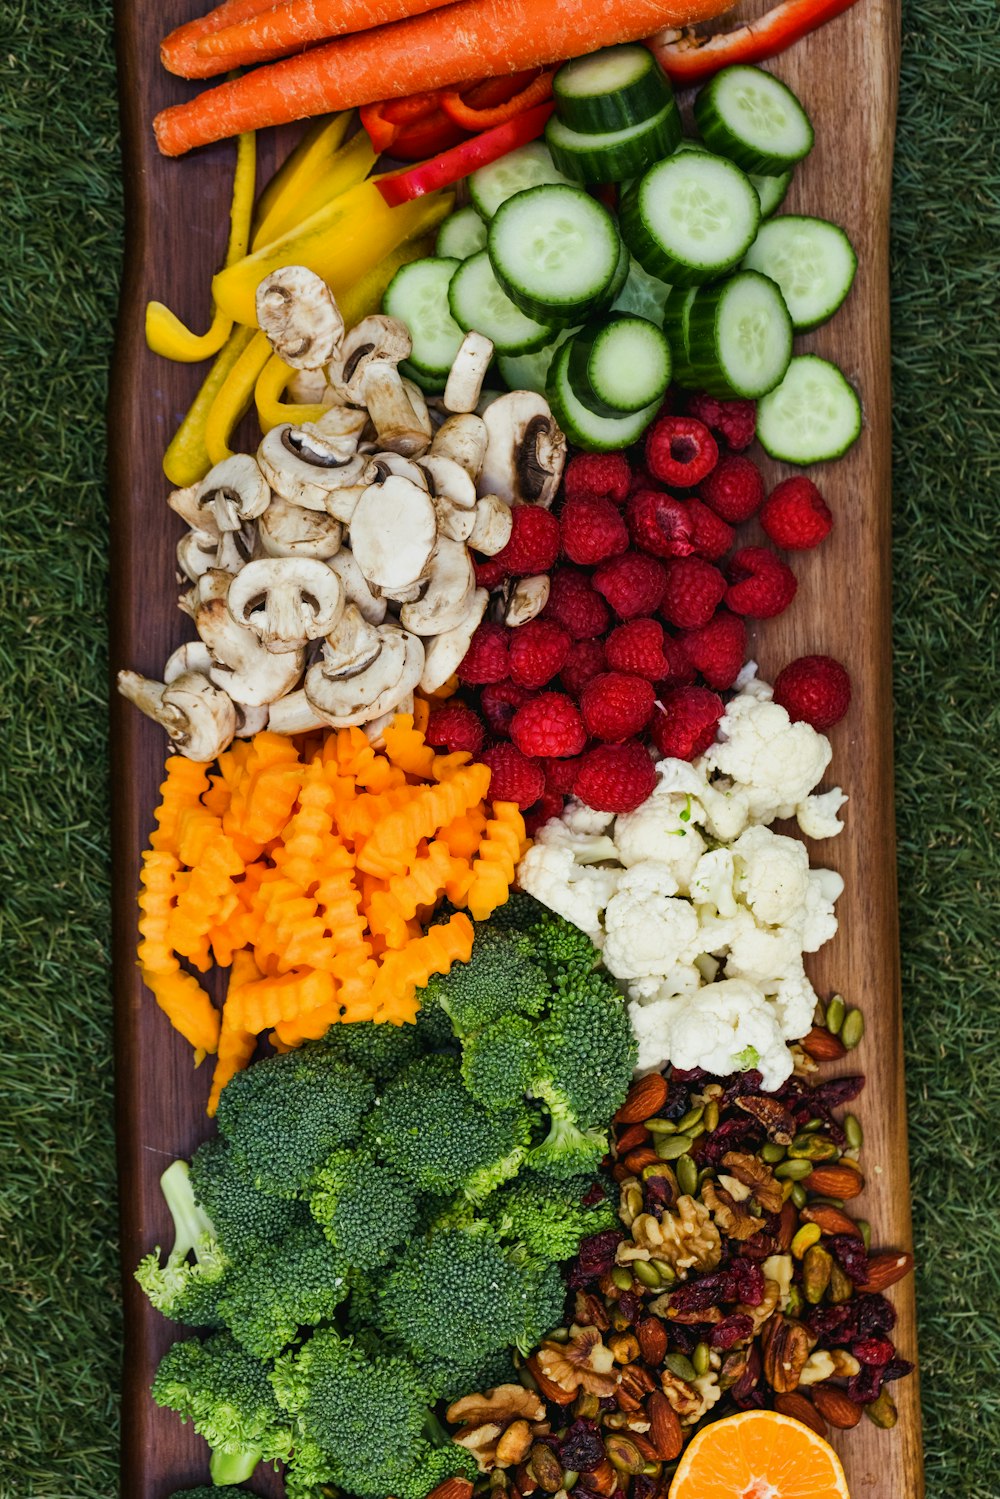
[
  {"x": 453, "y": 165},
  {"x": 411, "y": 131},
  {"x": 688, "y": 58},
  {"x": 472, "y": 117}
]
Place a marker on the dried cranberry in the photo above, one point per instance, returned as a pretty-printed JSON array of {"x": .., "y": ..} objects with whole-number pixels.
[
  {"x": 832, "y": 1324},
  {"x": 596, "y": 1257},
  {"x": 686, "y": 1339},
  {"x": 581, "y": 1449},
  {"x": 658, "y": 1193},
  {"x": 630, "y": 1305},
  {"x": 699, "y": 1295},
  {"x": 644, "y": 1487},
  {"x": 866, "y": 1386},
  {"x": 747, "y": 1283},
  {"x": 689, "y": 1074},
  {"x": 875, "y": 1316},
  {"x": 850, "y": 1255},
  {"x": 752, "y": 1401},
  {"x": 731, "y": 1133},
  {"x": 676, "y": 1105},
  {"x": 837, "y": 1091},
  {"x": 731, "y": 1330},
  {"x": 897, "y": 1368},
  {"x": 873, "y": 1350},
  {"x": 593, "y": 1196}
]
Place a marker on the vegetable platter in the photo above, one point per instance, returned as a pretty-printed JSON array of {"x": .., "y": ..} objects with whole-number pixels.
[{"x": 846, "y": 74}]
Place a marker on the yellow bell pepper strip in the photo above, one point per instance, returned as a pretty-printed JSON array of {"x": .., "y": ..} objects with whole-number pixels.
[
  {"x": 309, "y": 156},
  {"x": 233, "y": 399},
  {"x": 186, "y": 459},
  {"x": 339, "y": 243},
  {"x": 365, "y": 296},
  {"x": 271, "y": 409},
  {"x": 165, "y": 333},
  {"x": 345, "y": 169}
]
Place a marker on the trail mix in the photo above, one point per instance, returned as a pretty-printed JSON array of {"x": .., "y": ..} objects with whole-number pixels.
[{"x": 737, "y": 1281}]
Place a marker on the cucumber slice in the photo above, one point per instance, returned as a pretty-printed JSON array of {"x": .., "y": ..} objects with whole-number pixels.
[
  {"x": 432, "y": 385},
  {"x": 610, "y": 89},
  {"x": 418, "y": 296},
  {"x": 676, "y": 326},
  {"x": 771, "y": 191},
  {"x": 813, "y": 416},
  {"x": 613, "y": 154},
  {"x": 754, "y": 119},
  {"x": 528, "y": 166},
  {"x": 618, "y": 280},
  {"x": 690, "y": 218},
  {"x": 619, "y": 364},
  {"x": 462, "y": 234},
  {"x": 479, "y": 304},
  {"x": 642, "y": 294},
  {"x": 740, "y": 334},
  {"x": 529, "y": 371},
  {"x": 555, "y": 251},
  {"x": 597, "y": 434},
  {"x": 812, "y": 261}
]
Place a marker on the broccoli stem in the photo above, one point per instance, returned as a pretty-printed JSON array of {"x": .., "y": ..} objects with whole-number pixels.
[
  {"x": 234, "y": 1467},
  {"x": 192, "y": 1227}
]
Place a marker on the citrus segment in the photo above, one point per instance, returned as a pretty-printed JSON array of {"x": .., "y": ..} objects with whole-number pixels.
[{"x": 759, "y": 1455}]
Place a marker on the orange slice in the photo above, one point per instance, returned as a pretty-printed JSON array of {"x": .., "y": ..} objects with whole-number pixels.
[{"x": 759, "y": 1455}]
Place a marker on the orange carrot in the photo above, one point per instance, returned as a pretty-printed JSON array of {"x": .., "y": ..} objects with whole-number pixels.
[
  {"x": 293, "y": 25},
  {"x": 426, "y": 52},
  {"x": 177, "y": 52}
]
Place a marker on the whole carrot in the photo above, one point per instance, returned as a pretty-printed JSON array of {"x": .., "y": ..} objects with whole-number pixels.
[
  {"x": 177, "y": 52},
  {"x": 293, "y": 25},
  {"x": 427, "y": 52}
]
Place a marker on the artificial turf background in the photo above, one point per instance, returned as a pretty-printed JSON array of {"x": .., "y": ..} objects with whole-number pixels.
[{"x": 59, "y": 264}]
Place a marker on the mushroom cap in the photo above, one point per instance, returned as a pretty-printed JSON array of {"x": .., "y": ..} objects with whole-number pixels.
[
  {"x": 305, "y": 469},
  {"x": 295, "y": 714},
  {"x": 193, "y": 655},
  {"x": 197, "y": 551},
  {"x": 234, "y": 491},
  {"x": 444, "y": 653},
  {"x": 357, "y": 699},
  {"x": 522, "y": 599},
  {"x": 351, "y": 647},
  {"x": 468, "y": 370},
  {"x": 199, "y": 717},
  {"x": 493, "y": 525},
  {"x": 397, "y": 409},
  {"x": 286, "y": 601},
  {"x": 299, "y": 314},
  {"x": 288, "y": 530},
  {"x": 393, "y": 531},
  {"x": 236, "y": 548},
  {"x": 526, "y": 450},
  {"x": 464, "y": 438},
  {"x": 448, "y": 596}
]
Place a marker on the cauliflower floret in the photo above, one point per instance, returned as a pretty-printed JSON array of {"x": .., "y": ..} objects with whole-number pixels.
[
  {"x": 647, "y": 931},
  {"x": 772, "y": 874},
  {"x": 683, "y": 978},
  {"x": 750, "y": 685},
  {"x": 817, "y": 921},
  {"x": 726, "y": 1027},
  {"x": 774, "y": 762},
  {"x": 817, "y": 815},
  {"x": 763, "y": 955},
  {"x": 578, "y": 892},
  {"x": 586, "y": 848},
  {"x": 722, "y": 807},
  {"x": 580, "y": 818},
  {"x": 713, "y": 881},
  {"x": 794, "y": 1004},
  {"x": 662, "y": 828}
]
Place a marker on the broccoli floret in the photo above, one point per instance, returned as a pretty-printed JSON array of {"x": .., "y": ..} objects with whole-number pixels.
[
  {"x": 246, "y": 1221},
  {"x": 567, "y": 1150},
  {"x": 284, "y": 1116},
  {"x": 589, "y": 1053},
  {"x": 295, "y": 1284},
  {"x": 499, "y": 979},
  {"x": 227, "y": 1396},
  {"x": 185, "y": 1290},
  {"x": 361, "y": 1413},
  {"x": 460, "y": 1292},
  {"x": 449, "y": 1378},
  {"x": 380, "y": 1050},
  {"x": 364, "y": 1208},
  {"x": 429, "y": 1128},
  {"x": 500, "y": 1063},
  {"x": 546, "y": 1301},
  {"x": 433, "y": 1025},
  {"x": 550, "y": 1219}
]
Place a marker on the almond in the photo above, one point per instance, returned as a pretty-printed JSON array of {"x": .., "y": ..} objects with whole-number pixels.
[
  {"x": 646, "y": 1098},
  {"x": 834, "y": 1406},
  {"x": 885, "y": 1270},
  {"x": 664, "y": 1427},
  {"x": 823, "y": 1046},
  {"x": 787, "y": 1224},
  {"x": 801, "y": 1409},
  {"x": 653, "y": 1341},
  {"x": 831, "y": 1220},
  {"x": 834, "y": 1179},
  {"x": 452, "y": 1488},
  {"x": 631, "y": 1136},
  {"x": 637, "y": 1159}
]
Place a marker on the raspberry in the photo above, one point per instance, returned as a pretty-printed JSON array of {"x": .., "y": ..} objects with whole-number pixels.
[
  {"x": 514, "y": 777},
  {"x": 718, "y": 649},
  {"x": 734, "y": 489},
  {"x": 760, "y": 584},
  {"x": 615, "y": 777},
  {"x": 734, "y": 421},
  {"x": 814, "y": 690},
  {"x": 616, "y": 706},
  {"x": 487, "y": 658},
  {"x": 537, "y": 652},
  {"x": 453, "y": 727},
  {"x": 711, "y": 538},
  {"x": 549, "y": 806},
  {"x": 795, "y": 515},
  {"x": 549, "y": 725},
  {"x": 694, "y": 591},
  {"x": 680, "y": 451},
  {"x": 560, "y": 775},
  {"x": 499, "y": 702},
  {"x": 632, "y": 584},
  {"x": 534, "y": 542},
  {"x": 586, "y": 659},
  {"x": 574, "y": 604},
  {"x": 637, "y": 647},
  {"x": 680, "y": 672},
  {"x": 685, "y": 721},
  {"x": 659, "y": 523},
  {"x": 604, "y": 474},
  {"x": 592, "y": 530},
  {"x": 490, "y": 572}
]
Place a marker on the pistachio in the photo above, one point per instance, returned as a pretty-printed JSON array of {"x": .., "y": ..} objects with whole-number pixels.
[
  {"x": 865, "y": 1229},
  {"x": 623, "y": 1454},
  {"x": 812, "y": 1148},
  {"x": 772, "y": 1153},
  {"x": 622, "y": 1278},
  {"x": 852, "y": 1029},
  {"x": 882, "y": 1411},
  {"x": 545, "y": 1468},
  {"x": 624, "y": 1347},
  {"x": 687, "y": 1175},
  {"x": 835, "y": 1012},
  {"x": 808, "y": 1234},
  {"x": 817, "y": 1267},
  {"x": 798, "y": 1195},
  {"x": 646, "y": 1272},
  {"x": 855, "y": 1134},
  {"x": 795, "y": 1171},
  {"x": 840, "y": 1288}
]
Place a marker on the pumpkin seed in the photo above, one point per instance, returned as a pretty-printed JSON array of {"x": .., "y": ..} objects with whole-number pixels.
[
  {"x": 798, "y": 1195},
  {"x": 691, "y": 1117},
  {"x": 852, "y": 1029},
  {"x": 855, "y": 1134},
  {"x": 622, "y": 1278},
  {"x": 772, "y": 1153},
  {"x": 700, "y": 1359},
  {"x": 661, "y": 1126},
  {"x": 711, "y": 1116},
  {"x": 681, "y": 1365},
  {"x": 646, "y": 1272},
  {"x": 687, "y": 1175},
  {"x": 795, "y": 1171},
  {"x": 835, "y": 1012},
  {"x": 811, "y": 1126},
  {"x": 672, "y": 1147},
  {"x": 865, "y": 1230}
]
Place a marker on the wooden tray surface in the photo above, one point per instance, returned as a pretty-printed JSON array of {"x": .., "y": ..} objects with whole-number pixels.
[{"x": 176, "y": 220}]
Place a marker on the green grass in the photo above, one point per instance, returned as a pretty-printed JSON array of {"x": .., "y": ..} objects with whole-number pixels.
[{"x": 59, "y": 259}]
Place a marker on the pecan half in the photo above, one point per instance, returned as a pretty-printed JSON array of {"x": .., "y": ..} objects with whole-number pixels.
[
  {"x": 785, "y": 1345},
  {"x": 776, "y": 1119}
]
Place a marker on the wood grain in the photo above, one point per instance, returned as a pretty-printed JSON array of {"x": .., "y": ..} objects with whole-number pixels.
[{"x": 847, "y": 76}]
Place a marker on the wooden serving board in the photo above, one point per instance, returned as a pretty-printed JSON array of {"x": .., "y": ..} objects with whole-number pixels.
[{"x": 177, "y": 211}]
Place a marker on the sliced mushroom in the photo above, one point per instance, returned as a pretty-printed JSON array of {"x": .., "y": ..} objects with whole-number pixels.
[
  {"x": 248, "y": 672},
  {"x": 199, "y": 717},
  {"x": 351, "y": 647},
  {"x": 444, "y": 654},
  {"x": 526, "y": 450},
  {"x": 397, "y": 422},
  {"x": 463, "y": 438},
  {"x": 395, "y": 671},
  {"x": 231, "y": 493},
  {"x": 236, "y": 548},
  {"x": 298, "y": 312},
  {"x": 193, "y": 655},
  {"x": 420, "y": 410},
  {"x": 522, "y": 599},
  {"x": 356, "y": 590},
  {"x": 312, "y": 470},
  {"x": 287, "y": 530},
  {"x": 451, "y": 585},
  {"x": 454, "y": 495},
  {"x": 310, "y": 388},
  {"x": 403, "y": 468},
  {"x": 375, "y": 339},
  {"x": 467, "y": 373},
  {"x": 393, "y": 531},
  {"x": 295, "y": 714},
  {"x": 251, "y": 721},
  {"x": 493, "y": 526},
  {"x": 337, "y": 431},
  {"x": 197, "y": 551},
  {"x": 286, "y": 601}
]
